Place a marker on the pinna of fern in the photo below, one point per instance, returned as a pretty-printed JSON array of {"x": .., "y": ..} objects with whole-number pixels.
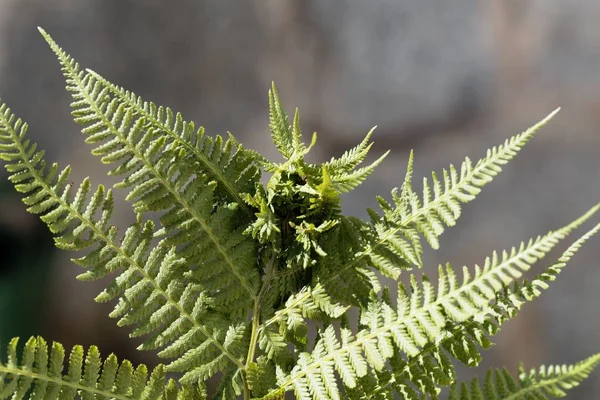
[
  {"x": 240, "y": 268},
  {"x": 547, "y": 381},
  {"x": 40, "y": 373}
]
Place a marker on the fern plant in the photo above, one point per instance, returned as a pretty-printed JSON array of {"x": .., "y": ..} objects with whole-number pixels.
[{"x": 226, "y": 281}]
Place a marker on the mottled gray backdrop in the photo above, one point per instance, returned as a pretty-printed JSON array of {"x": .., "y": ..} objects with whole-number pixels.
[{"x": 446, "y": 78}]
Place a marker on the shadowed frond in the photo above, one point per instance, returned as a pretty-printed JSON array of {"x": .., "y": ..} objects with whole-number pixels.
[
  {"x": 547, "y": 382},
  {"x": 162, "y": 177},
  {"x": 41, "y": 374}
]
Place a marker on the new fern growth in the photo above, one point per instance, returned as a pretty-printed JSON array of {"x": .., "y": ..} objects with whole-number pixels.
[{"x": 226, "y": 280}]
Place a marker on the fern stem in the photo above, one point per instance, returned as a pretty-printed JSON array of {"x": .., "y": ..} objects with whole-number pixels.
[
  {"x": 61, "y": 382},
  {"x": 256, "y": 318}
]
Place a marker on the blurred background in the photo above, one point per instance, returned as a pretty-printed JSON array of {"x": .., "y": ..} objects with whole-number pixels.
[{"x": 448, "y": 79}]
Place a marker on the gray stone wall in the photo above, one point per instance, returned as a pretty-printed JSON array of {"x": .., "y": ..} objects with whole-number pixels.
[{"x": 449, "y": 79}]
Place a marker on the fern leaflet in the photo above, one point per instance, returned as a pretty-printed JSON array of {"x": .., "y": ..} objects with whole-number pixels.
[
  {"x": 551, "y": 381},
  {"x": 221, "y": 258},
  {"x": 41, "y": 374}
]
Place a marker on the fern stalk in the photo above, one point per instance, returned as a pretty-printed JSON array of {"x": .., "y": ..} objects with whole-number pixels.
[{"x": 256, "y": 322}]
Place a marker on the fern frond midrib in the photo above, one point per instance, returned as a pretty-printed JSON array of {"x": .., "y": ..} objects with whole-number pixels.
[
  {"x": 520, "y": 394},
  {"x": 257, "y": 309},
  {"x": 215, "y": 170},
  {"x": 61, "y": 382},
  {"x": 107, "y": 240},
  {"x": 545, "y": 241},
  {"x": 403, "y": 224},
  {"x": 165, "y": 182},
  {"x": 574, "y": 371}
]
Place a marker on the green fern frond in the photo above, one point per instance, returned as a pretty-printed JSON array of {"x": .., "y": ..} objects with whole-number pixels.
[
  {"x": 41, "y": 374},
  {"x": 547, "y": 382},
  {"x": 421, "y": 317},
  {"x": 225, "y": 162},
  {"x": 395, "y": 238},
  {"x": 150, "y": 288},
  {"x": 509, "y": 302},
  {"x": 342, "y": 170},
  {"x": 222, "y": 258},
  {"x": 279, "y": 125},
  {"x": 475, "y": 293},
  {"x": 351, "y": 158},
  {"x": 462, "y": 339},
  {"x": 347, "y": 181},
  {"x": 440, "y": 203}
]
